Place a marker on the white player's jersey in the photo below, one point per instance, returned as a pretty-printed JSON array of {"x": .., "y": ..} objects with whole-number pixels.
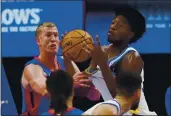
[
  {"x": 113, "y": 102},
  {"x": 99, "y": 83}
]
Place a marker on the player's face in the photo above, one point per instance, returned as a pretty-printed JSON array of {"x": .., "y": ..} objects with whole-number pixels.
[
  {"x": 49, "y": 39},
  {"x": 119, "y": 30},
  {"x": 136, "y": 100}
]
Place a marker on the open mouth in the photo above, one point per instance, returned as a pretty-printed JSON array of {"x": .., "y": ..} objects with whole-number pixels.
[
  {"x": 110, "y": 32},
  {"x": 53, "y": 45}
]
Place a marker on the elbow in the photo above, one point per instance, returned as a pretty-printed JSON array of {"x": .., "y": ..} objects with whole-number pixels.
[
  {"x": 44, "y": 92},
  {"x": 113, "y": 93},
  {"x": 40, "y": 90}
]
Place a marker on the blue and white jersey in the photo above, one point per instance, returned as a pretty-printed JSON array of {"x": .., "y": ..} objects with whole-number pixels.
[
  {"x": 99, "y": 83},
  {"x": 113, "y": 102}
]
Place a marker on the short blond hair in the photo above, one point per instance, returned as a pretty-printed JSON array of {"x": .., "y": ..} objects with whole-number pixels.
[{"x": 45, "y": 24}]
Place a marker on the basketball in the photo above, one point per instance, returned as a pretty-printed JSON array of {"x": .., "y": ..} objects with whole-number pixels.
[{"x": 74, "y": 41}]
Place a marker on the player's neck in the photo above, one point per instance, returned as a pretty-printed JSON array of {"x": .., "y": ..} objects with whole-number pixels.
[
  {"x": 120, "y": 47},
  {"x": 49, "y": 60},
  {"x": 115, "y": 50},
  {"x": 125, "y": 103},
  {"x": 69, "y": 102}
]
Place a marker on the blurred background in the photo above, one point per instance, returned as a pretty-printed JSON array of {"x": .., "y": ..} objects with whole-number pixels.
[{"x": 21, "y": 17}]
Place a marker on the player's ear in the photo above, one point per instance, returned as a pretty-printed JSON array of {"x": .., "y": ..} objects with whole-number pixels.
[
  {"x": 137, "y": 94},
  {"x": 38, "y": 40},
  {"x": 131, "y": 34}
]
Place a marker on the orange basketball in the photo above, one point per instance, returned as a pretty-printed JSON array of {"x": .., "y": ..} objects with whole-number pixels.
[{"x": 74, "y": 41}]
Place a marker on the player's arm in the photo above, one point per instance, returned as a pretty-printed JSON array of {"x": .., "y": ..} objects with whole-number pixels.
[
  {"x": 132, "y": 62},
  {"x": 100, "y": 58},
  {"x": 70, "y": 66},
  {"x": 36, "y": 78},
  {"x": 108, "y": 78}
]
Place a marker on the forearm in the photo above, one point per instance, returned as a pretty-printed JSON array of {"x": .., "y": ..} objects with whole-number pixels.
[
  {"x": 91, "y": 93},
  {"x": 109, "y": 78},
  {"x": 80, "y": 91},
  {"x": 71, "y": 67}
]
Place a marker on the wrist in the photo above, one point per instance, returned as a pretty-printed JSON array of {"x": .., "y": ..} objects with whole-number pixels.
[
  {"x": 91, "y": 70},
  {"x": 103, "y": 64},
  {"x": 92, "y": 67}
]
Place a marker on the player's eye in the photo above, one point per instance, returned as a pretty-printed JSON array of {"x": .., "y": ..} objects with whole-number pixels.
[
  {"x": 48, "y": 35},
  {"x": 55, "y": 35}
]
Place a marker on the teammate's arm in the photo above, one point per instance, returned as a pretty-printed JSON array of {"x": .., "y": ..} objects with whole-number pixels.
[{"x": 36, "y": 78}]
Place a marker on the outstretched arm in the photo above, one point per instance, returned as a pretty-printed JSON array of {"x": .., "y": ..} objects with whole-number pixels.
[{"x": 35, "y": 76}]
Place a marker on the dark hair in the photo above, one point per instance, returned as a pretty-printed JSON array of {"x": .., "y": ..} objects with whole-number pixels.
[
  {"x": 135, "y": 19},
  {"x": 128, "y": 83},
  {"x": 59, "y": 85}
]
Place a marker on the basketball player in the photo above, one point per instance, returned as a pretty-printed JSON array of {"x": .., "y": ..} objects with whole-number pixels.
[
  {"x": 35, "y": 95},
  {"x": 61, "y": 94},
  {"x": 128, "y": 96},
  {"x": 128, "y": 27}
]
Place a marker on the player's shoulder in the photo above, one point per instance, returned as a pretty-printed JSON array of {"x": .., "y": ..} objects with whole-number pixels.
[
  {"x": 32, "y": 61},
  {"x": 133, "y": 56},
  {"x": 132, "y": 61},
  {"x": 32, "y": 68},
  {"x": 105, "y": 109},
  {"x": 33, "y": 64}
]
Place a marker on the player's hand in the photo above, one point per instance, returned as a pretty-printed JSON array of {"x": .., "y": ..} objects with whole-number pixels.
[
  {"x": 81, "y": 80},
  {"x": 97, "y": 53},
  {"x": 68, "y": 57}
]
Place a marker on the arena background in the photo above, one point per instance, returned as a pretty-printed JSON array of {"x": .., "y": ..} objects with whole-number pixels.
[{"x": 20, "y": 19}]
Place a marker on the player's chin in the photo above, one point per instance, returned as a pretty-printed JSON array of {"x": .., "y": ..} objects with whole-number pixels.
[
  {"x": 110, "y": 40},
  {"x": 52, "y": 50}
]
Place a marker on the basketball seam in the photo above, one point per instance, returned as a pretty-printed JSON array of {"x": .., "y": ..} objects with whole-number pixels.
[
  {"x": 70, "y": 37},
  {"x": 87, "y": 44},
  {"x": 77, "y": 44},
  {"x": 82, "y": 36},
  {"x": 79, "y": 54}
]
